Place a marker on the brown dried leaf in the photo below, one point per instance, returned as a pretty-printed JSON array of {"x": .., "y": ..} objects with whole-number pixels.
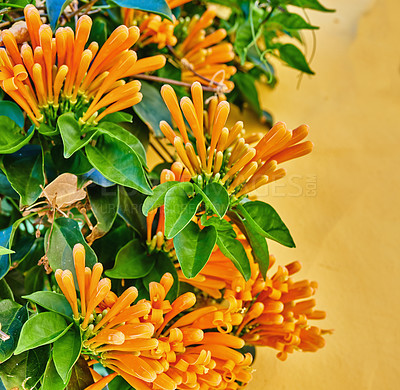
[
  {"x": 20, "y": 32},
  {"x": 64, "y": 191}
]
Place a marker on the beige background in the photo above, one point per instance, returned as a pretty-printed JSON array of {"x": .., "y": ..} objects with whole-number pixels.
[{"x": 347, "y": 232}]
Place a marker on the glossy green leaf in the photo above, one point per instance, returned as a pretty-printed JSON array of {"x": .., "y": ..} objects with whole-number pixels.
[
  {"x": 118, "y": 163},
  {"x": 47, "y": 130},
  {"x": 5, "y": 290},
  {"x": 215, "y": 197},
  {"x": 5, "y": 235},
  {"x": 294, "y": 58},
  {"x": 245, "y": 84},
  {"x": 117, "y": 117},
  {"x": 193, "y": 248},
  {"x": 81, "y": 376},
  {"x": 12, "y": 111},
  {"x": 179, "y": 210},
  {"x": 119, "y": 383},
  {"x": 71, "y": 134},
  {"x": 43, "y": 328},
  {"x": 77, "y": 164},
  {"x": 311, "y": 4},
  {"x": 104, "y": 203},
  {"x": 24, "y": 170},
  {"x": 24, "y": 371},
  {"x": 159, "y": 7},
  {"x": 64, "y": 236},
  {"x": 34, "y": 279},
  {"x": 132, "y": 262},
  {"x": 66, "y": 351},
  {"x": 54, "y": 10},
  {"x": 157, "y": 199},
  {"x": 116, "y": 131},
  {"x": 13, "y": 316},
  {"x": 290, "y": 21},
  {"x": 130, "y": 203},
  {"x": 52, "y": 301},
  {"x": 267, "y": 222},
  {"x": 51, "y": 379},
  {"x": 152, "y": 109},
  {"x": 162, "y": 265},
  {"x": 12, "y": 136},
  {"x": 5, "y": 251}
]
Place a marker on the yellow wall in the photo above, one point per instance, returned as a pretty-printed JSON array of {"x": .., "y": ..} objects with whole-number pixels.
[{"x": 347, "y": 234}]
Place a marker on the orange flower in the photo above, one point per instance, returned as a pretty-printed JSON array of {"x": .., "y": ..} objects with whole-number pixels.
[
  {"x": 223, "y": 153},
  {"x": 57, "y": 74},
  {"x": 205, "y": 56}
]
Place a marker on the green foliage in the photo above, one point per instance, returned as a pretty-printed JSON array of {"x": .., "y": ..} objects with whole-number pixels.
[
  {"x": 157, "y": 199},
  {"x": 54, "y": 10},
  {"x": 159, "y": 7},
  {"x": 51, "y": 301}
]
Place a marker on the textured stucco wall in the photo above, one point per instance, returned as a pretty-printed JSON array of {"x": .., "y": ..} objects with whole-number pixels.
[{"x": 347, "y": 234}]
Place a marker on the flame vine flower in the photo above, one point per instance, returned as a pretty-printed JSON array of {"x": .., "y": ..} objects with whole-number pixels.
[
  {"x": 54, "y": 75},
  {"x": 146, "y": 343}
]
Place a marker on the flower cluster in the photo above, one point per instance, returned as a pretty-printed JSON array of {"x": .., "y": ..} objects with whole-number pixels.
[
  {"x": 54, "y": 75},
  {"x": 145, "y": 343},
  {"x": 209, "y": 149}
]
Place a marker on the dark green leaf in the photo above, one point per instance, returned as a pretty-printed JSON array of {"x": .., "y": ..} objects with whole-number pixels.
[
  {"x": 81, "y": 376},
  {"x": 291, "y": 21},
  {"x": 5, "y": 290},
  {"x": 131, "y": 262},
  {"x": 118, "y": 163},
  {"x": 96, "y": 177},
  {"x": 12, "y": 111},
  {"x": 269, "y": 222},
  {"x": 125, "y": 136},
  {"x": 215, "y": 197},
  {"x": 311, "y": 4},
  {"x": 159, "y": 7},
  {"x": 41, "y": 329},
  {"x": 77, "y": 164},
  {"x": 65, "y": 235},
  {"x": 66, "y": 351},
  {"x": 51, "y": 301},
  {"x": 262, "y": 64},
  {"x": 12, "y": 137},
  {"x": 129, "y": 209},
  {"x": 119, "y": 383},
  {"x": 5, "y": 235},
  {"x": 179, "y": 210},
  {"x": 152, "y": 109},
  {"x": 54, "y": 10},
  {"x": 245, "y": 83},
  {"x": 24, "y": 371},
  {"x": 294, "y": 58},
  {"x": 13, "y": 316},
  {"x": 34, "y": 279},
  {"x": 24, "y": 170},
  {"x": 157, "y": 199},
  {"x": 71, "y": 134},
  {"x": 5, "y": 187},
  {"x": 51, "y": 379},
  {"x": 162, "y": 265},
  {"x": 193, "y": 248},
  {"x": 104, "y": 203}
]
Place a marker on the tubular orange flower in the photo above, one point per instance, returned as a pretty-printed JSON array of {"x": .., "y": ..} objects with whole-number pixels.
[
  {"x": 223, "y": 154},
  {"x": 55, "y": 75},
  {"x": 205, "y": 56}
]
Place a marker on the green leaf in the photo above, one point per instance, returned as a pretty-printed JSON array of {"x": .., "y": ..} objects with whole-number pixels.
[
  {"x": 159, "y": 7},
  {"x": 66, "y": 351},
  {"x": 268, "y": 222},
  {"x": 194, "y": 247},
  {"x": 54, "y": 10},
  {"x": 291, "y": 21},
  {"x": 41, "y": 329},
  {"x": 47, "y": 130},
  {"x": 311, "y": 4},
  {"x": 65, "y": 235},
  {"x": 5, "y": 235},
  {"x": 215, "y": 197},
  {"x": 24, "y": 371},
  {"x": 245, "y": 83},
  {"x": 52, "y": 301},
  {"x": 13, "y": 316},
  {"x": 131, "y": 262},
  {"x": 117, "y": 162},
  {"x": 129, "y": 210},
  {"x": 179, "y": 210},
  {"x": 24, "y": 170},
  {"x": 119, "y": 383},
  {"x": 294, "y": 58},
  {"x": 51, "y": 378},
  {"x": 104, "y": 203},
  {"x": 5, "y": 290},
  {"x": 125, "y": 136},
  {"x": 262, "y": 64},
  {"x": 34, "y": 279},
  {"x": 71, "y": 134},
  {"x": 152, "y": 109},
  {"x": 162, "y": 265},
  {"x": 12, "y": 111},
  {"x": 117, "y": 117},
  {"x": 157, "y": 199},
  {"x": 12, "y": 137},
  {"x": 5, "y": 251},
  {"x": 81, "y": 376}
]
